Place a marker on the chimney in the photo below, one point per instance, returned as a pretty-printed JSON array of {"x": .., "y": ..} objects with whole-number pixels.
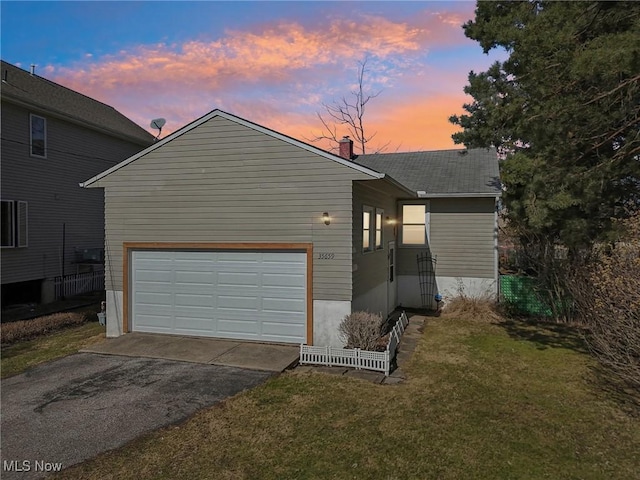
[
  {"x": 346, "y": 148},
  {"x": 33, "y": 69}
]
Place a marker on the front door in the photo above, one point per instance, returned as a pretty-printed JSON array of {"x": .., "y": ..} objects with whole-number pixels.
[{"x": 391, "y": 277}]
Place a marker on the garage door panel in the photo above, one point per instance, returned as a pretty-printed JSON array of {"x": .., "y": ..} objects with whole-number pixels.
[
  {"x": 204, "y": 324},
  {"x": 275, "y": 330},
  {"x": 243, "y": 295},
  {"x": 229, "y": 302},
  {"x": 228, "y": 324},
  {"x": 282, "y": 280},
  {"x": 194, "y": 277},
  {"x": 193, "y": 301},
  {"x": 155, "y": 320},
  {"x": 285, "y": 258},
  {"x": 237, "y": 279},
  {"x": 153, "y": 298},
  {"x": 282, "y": 305},
  {"x": 159, "y": 276}
]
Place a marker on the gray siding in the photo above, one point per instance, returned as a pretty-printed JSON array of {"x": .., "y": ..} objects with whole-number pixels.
[
  {"x": 224, "y": 182},
  {"x": 50, "y": 186},
  {"x": 462, "y": 238},
  {"x": 370, "y": 268}
]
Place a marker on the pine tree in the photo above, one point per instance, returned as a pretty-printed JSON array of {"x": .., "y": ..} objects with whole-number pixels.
[{"x": 564, "y": 109}]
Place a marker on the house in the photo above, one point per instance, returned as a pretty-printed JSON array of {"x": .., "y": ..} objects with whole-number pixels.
[
  {"x": 228, "y": 229},
  {"x": 53, "y": 138}
]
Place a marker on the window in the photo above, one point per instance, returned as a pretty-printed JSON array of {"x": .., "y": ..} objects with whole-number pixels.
[
  {"x": 14, "y": 224},
  {"x": 38, "y": 136},
  {"x": 367, "y": 218},
  {"x": 8, "y": 224},
  {"x": 379, "y": 216},
  {"x": 372, "y": 228},
  {"x": 415, "y": 224}
]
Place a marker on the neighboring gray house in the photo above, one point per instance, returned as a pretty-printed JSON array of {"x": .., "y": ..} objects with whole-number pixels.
[
  {"x": 228, "y": 229},
  {"x": 53, "y": 138}
]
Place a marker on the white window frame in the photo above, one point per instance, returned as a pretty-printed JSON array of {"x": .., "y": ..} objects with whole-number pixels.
[
  {"x": 379, "y": 227},
  {"x": 427, "y": 224},
  {"x": 368, "y": 233},
  {"x": 22, "y": 239},
  {"x": 19, "y": 235},
  {"x": 32, "y": 117}
]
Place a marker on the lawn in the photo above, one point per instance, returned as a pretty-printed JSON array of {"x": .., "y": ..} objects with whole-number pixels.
[
  {"x": 23, "y": 355},
  {"x": 482, "y": 400}
]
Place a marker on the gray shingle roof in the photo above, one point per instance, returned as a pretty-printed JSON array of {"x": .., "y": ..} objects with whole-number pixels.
[
  {"x": 38, "y": 92},
  {"x": 440, "y": 172}
]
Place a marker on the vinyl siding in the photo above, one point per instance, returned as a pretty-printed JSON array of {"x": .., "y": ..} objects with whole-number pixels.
[
  {"x": 462, "y": 239},
  {"x": 370, "y": 268},
  {"x": 50, "y": 186},
  {"x": 224, "y": 182}
]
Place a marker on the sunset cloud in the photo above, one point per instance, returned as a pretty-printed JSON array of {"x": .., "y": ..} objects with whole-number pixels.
[{"x": 280, "y": 73}]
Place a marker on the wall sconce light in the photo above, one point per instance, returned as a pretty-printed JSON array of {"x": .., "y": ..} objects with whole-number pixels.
[
  {"x": 392, "y": 222},
  {"x": 326, "y": 218}
]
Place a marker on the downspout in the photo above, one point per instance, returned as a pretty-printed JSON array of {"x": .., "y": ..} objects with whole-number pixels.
[{"x": 496, "y": 256}]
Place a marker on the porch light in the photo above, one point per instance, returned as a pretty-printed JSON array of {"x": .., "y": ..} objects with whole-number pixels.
[{"x": 325, "y": 218}]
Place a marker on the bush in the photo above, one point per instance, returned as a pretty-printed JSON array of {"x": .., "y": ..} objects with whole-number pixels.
[
  {"x": 13, "y": 332},
  {"x": 607, "y": 293},
  {"x": 362, "y": 330},
  {"x": 471, "y": 306}
]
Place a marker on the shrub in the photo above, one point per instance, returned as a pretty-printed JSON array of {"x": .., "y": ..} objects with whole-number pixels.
[
  {"x": 469, "y": 306},
  {"x": 607, "y": 293},
  {"x": 13, "y": 332},
  {"x": 362, "y": 330}
]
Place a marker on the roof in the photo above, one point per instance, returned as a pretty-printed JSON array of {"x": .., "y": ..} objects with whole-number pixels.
[
  {"x": 441, "y": 173},
  {"x": 219, "y": 113},
  {"x": 19, "y": 86}
]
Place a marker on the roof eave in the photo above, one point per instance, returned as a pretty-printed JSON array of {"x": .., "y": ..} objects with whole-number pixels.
[
  {"x": 62, "y": 115},
  {"x": 399, "y": 185},
  {"x": 462, "y": 194}
]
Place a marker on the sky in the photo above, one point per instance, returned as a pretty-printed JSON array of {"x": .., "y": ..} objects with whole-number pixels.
[{"x": 273, "y": 63}]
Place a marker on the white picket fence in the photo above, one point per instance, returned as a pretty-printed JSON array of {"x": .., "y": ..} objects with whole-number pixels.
[
  {"x": 355, "y": 357},
  {"x": 78, "y": 283}
]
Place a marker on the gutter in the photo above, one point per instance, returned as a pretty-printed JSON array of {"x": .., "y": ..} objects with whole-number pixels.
[{"x": 423, "y": 194}]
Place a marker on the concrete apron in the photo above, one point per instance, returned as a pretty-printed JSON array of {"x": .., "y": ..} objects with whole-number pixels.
[{"x": 211, "y": 351}]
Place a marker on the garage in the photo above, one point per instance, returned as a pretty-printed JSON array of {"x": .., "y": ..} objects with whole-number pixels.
[{"x": 235, "y": 294}]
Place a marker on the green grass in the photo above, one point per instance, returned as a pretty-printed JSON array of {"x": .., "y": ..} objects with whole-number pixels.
[
  {"x": 482, "y": 400},
  {"x": 23, "y": 355}
]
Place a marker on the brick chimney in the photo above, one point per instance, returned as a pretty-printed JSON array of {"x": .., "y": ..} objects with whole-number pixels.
[{"x": 346, "y": 148}]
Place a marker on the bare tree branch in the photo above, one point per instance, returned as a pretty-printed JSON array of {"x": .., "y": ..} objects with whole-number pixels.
[{"x": 349, "y": 113}]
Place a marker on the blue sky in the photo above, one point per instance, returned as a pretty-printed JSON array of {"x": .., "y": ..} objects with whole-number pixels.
[{"x": 273, "y": 63}]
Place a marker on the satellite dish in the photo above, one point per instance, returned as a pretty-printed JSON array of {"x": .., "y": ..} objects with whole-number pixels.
[{"x": 158, "y": 123}]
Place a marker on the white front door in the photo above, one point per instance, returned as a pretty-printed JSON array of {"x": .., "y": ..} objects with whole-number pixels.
[{"x": 392, "y": 294}]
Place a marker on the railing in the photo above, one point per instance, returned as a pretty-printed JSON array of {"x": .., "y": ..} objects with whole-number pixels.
[
  {"x": 355, "y": 357},
  {"x": 78, "y": 283}
]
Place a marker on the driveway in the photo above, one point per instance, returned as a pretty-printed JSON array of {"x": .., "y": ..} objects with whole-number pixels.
[{"x": 72, "y": 409}]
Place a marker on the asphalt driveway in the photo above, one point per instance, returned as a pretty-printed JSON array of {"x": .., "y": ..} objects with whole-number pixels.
[{"x": 72, "y": 409}]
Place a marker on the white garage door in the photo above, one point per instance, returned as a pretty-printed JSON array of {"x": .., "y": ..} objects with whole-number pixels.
[{"x": 244, "y": 295}]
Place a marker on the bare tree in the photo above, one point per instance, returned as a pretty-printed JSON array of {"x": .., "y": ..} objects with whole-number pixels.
[{"x": 348, "y": 112}]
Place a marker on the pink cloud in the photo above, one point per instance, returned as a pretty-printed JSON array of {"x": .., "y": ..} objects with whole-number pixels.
[{"x": 280, "y": 73}]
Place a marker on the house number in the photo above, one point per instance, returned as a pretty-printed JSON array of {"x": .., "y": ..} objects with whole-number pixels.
[{"x": 326, "y": 256}]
